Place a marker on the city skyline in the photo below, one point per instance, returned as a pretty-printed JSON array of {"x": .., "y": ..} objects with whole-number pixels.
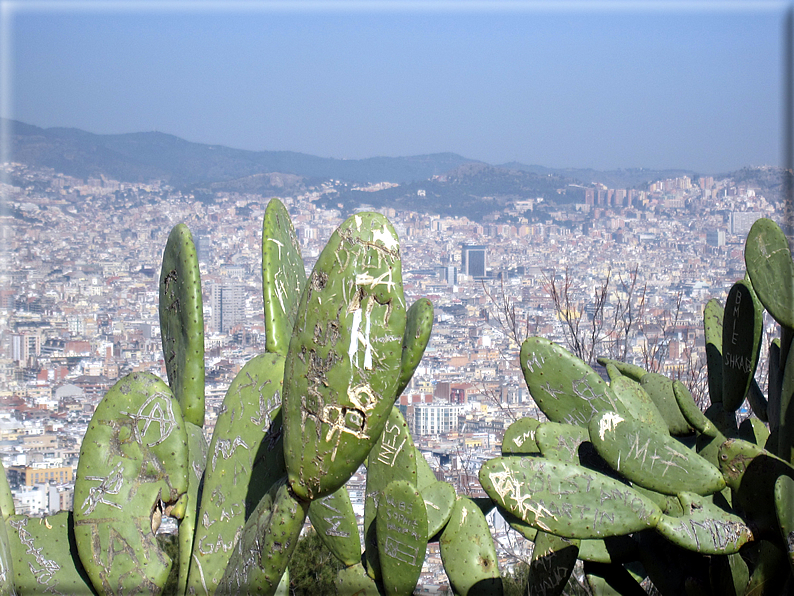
[{"x": 693, "y": 85}]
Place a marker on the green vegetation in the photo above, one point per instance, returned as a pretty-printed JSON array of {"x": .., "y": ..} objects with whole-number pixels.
[{"x": 629, "y": 477}]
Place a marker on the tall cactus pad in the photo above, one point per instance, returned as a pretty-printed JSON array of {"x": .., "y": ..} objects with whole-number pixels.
[
  {"x": 566, "y": 499},
  {"x": 182, "y": 323},
  {"x": 741, "y": 343},
  {"x": 392, "y": 458},
  {"x": 45, "y": 556},
  {"x": 134, "y": 459},
  {"x": 402, "y": 537},
  {"x": 784, "y": 506},
  {"x": 563, "y": 386},
  {"x": 344, "y": 357},
  {"x": 653, "y": 460},
  {"x": 334, "y": 521},
  {"x": 197, "y": 452},
  {"x": 712, "y": 325},
  {"x": 268, "y": 539},
  {"x": 355, "y": 581},
  {"x": 418, "y": 326},
  {"x": 283, "y": 276},
  {"x": 241, "y": 428},
  {"x": 771, "y": 270},
  {"x": 468, "y": 552}
]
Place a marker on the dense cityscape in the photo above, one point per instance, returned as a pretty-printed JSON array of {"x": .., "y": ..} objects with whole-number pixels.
[{"x": 79, "y": 304}]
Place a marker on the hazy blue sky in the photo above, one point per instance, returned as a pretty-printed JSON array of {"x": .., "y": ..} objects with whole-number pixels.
[{"x": 690, "y": 85}]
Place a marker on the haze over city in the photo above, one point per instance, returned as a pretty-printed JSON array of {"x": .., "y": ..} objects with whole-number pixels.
[{"x": 694, "y": 85}]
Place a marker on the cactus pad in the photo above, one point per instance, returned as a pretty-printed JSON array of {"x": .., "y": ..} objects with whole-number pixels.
[
  {"x": 182, "y": 323},
  {"x": 344, "y": 356},
  {"x": 283, "y": 276}
]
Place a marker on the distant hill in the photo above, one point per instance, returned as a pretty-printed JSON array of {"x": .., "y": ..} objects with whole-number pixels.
[
  {"x": 473, "y": 190},
  {"x": 138, "y": 157},
  {"x": 623, "y": 178}
]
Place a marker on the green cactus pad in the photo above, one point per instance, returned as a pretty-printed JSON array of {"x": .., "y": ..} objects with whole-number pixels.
[
  {"x": 519, "y": 438},
  {"x": 563, "y": 386},
  {"x": 632, "y": 371},
  {"x": 45, "y": 556},
  {"x": 182, "y": 323},
  {"x": 653, "y": 460},
  {"x": 705, "y": 527},
  {"x": 753, "y": 430},
  {"x": 758, "y": 402},
  {"x": 392, "y": 458},
  {"x": 774, "y": 384},
  {"x": 785, "y": 428},
  {"x": 712, "y": 325},
  {"x": 660, "y": 390},
  {"x": 770, "y": 571},
  {"x": 606, "y": 580},
  {"x": 439, "y": 499},
  {"x": 402, "y": 537},
  {"x": 771, "y": 270},
  {"x": 7, "y": 576},
  {"x": 418, "y": 327},
  {"x": 241, "y": 428},
  {"x": 692, "y": 413},
  {"x": 283, "y": 276},
  {"x": 638, "y": 403},
  {"x": 424, "y": 474},
  {"x": 751, "y": 472},
  {"x": 566, "y": 499},
  {"x": 741, "y": 343},
  {"x": 552, "y": 563},
  {"x": 344, "y": 356},
  {"x": 133, "y": 458},
  {"x": 468, "y": 552},
  {"x": 334, "y": 521},
  {"x": 6, "y": 498},
  {"x": 560, "y": 442},
  {"x": 266, "y": 544},
  {"x": 355, "y": 582},
  {"x": 784, "y": 507},
  {"x": 197, "y": 454},
  {"x": 729, "y": 575}
]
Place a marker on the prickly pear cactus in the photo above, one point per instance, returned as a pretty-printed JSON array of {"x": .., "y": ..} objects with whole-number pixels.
[
  {"x": 182, "y": 323},
  {"x": 564, "y": 387},
  {"x": 241, "y": 428},
  {"x": 743, "y": 324},
  {"x": 418, "y": 326},
  {"x": 401, "y": 537},
  {"x": 283, "y": 276},
  {"x": 566, "y": 499},
  {"x": 771, "y": 270},
  {"x": 468, "y": 553},
  {"x": 45, "y": 554},
  {"x": 344, "y": 357},
  {"x": 133, "y": 468},
  {"x": 334, "y": 520}
]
